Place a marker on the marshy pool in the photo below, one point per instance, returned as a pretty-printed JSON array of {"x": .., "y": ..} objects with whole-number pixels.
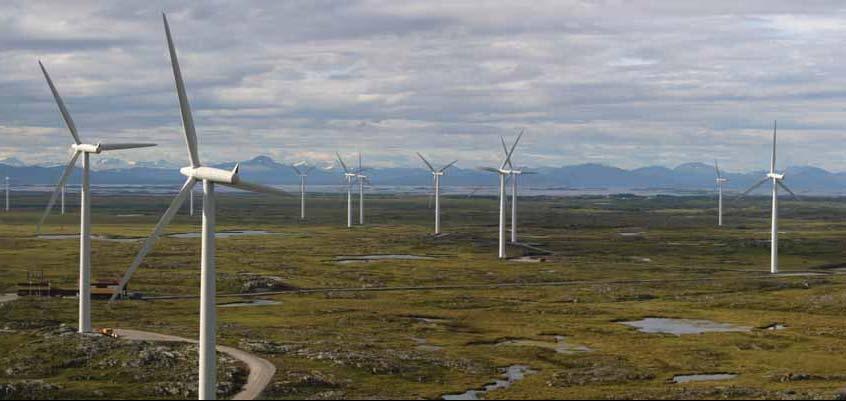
[
  {"x": 682, "y": 326},
  {"x": 678, "y": 379},
  {"x": 371, "y": 258},
  {"x": 255, "y": 302},
  {"x": 510, "y": 375}
]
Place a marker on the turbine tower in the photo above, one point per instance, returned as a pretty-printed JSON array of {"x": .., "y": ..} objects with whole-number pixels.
[
  {"x": 777, "y": 181},
  {"x": 503, "y": 173},
  {"x": 436, "y": 182},
  {"x": 349, "y": 176},
  {"x": 306, "y": 168},
  {"x": 7, "y": 193},
  {"x": 210, "y": 177},
  {"x": 85, "y": 150},
  {"x": 63, "y": 200},
  {"x": 720, "y": 182}
]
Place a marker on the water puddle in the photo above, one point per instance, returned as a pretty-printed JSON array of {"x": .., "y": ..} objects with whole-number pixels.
[
  {"x": 560, "y": 345},
  {"x": 682, "y": 326},
  {"x": 510, "y": 375},
  {"x": 129, "y": 215},
  {"x": 527, "y": 259},
  {"x": 255, "y": 302},
  {"x": 775, "y": 327},
  {"x": 637, "y": 234},
  {"x": 93, "y": 237},
  {"x": 703, "y": 377},
  {"x": 225, "y": 234},
  {"x": 370, "y": 258}
]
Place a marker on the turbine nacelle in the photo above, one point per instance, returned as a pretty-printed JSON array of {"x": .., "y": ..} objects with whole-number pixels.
[
  {"x": 86, "y": 148},
  {"x": 775, "y": 176},
  {"x": 211, "y": 174},
  {"x": 721, "y": 180}
]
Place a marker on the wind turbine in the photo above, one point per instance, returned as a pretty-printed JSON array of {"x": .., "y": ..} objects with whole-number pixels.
[
  {"x": 349, "y": 175},
  {"x": 303, "y": 174},
  {"x": 777, "y": 181},
  {"x": 210, "y": 176},
  {"x": 720, "y": 182},
  {"x": 502, "y": 172},
  {"x": 514, "y": 173},
  {"x": 436, "y": 181},
  {"x": 85, "y": 150}
]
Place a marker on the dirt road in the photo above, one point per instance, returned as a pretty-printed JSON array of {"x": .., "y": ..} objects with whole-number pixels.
[{"x": 261, "y": 370}]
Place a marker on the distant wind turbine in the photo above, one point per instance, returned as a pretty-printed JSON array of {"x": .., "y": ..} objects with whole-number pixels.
[
  {"x": 210, "y": 176},
  {"x": 306, "y": 168},
  {"x": 777, "y": 181},
  {"x": 720, "y": 182},
  {"x": 349, "y": 176},
  {"x": 436, "y": 182},
  {"x": 85, "y": 201},
  {"x": 514, "y": 173},
  {"x": 7, "y": 193},
  {"x": 503, "y": 173}
]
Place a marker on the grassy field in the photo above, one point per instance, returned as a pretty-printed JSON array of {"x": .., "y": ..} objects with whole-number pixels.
[{"x": 607, "y": 260}]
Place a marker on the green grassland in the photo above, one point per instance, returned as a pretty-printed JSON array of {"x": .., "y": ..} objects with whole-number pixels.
[{"x": 607, "y": 259}]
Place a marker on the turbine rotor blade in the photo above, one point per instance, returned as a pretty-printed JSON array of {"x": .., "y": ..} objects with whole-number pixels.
[
  {"x": 252, "y": 187},
  {"x": 717, "y": 167},
  {"x": 294, "y": 166},
  {"x": 505, "y": 150},
  {"x": 166, "y": 218},
  {"x": 752, "y": 188},
  {"x": 514, "y": 146},
  {"x": 491, "y": 169},
  {"x": 65, "y": 114},
  {"x": 773, "y": 159},
  {"x": 448, "y": 166},
  {"x": 184, "y": 106},
  {"x": 57, "y": 190},
  {"x": 341, "y": 161},
  {"x": 122, "y": 146},
  {"x": 426, "y": 161},
  {"x": 781, "y": 184}
]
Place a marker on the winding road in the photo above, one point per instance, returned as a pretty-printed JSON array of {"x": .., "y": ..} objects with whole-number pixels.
[{"x": 261, "y": 370}]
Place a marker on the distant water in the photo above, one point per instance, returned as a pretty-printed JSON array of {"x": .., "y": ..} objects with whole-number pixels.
[{"x": 378, "y": 189}]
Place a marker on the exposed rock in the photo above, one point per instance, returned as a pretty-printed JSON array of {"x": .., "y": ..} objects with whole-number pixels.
[
  {"x": 27, "y": 390},
  {"x": 257, "y": 283}
]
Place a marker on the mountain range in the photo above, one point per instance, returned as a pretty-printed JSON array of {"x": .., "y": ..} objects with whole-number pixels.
[{"x": 685, "y": 177}]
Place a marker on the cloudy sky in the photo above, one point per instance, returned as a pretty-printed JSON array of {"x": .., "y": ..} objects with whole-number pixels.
[{"x": 625, "y": 83}]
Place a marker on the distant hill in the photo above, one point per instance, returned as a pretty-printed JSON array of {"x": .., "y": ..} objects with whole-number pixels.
[{"x": 685, "y": 177}]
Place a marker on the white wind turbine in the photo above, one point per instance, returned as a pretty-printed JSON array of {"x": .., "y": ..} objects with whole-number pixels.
[
  {"x": 210, "y": 176},
  {"x": 85, "y": 201},
  {"x": 514, "y": 173},
  {"x": 349, "y": 176},
  {"x": 502, "y": 172},
  {"x": 436, "y": 182},
  {"x": 777, "y": 181},
  {"x": 720, "y": 181},
  {"x": 306, "y": 168}
]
